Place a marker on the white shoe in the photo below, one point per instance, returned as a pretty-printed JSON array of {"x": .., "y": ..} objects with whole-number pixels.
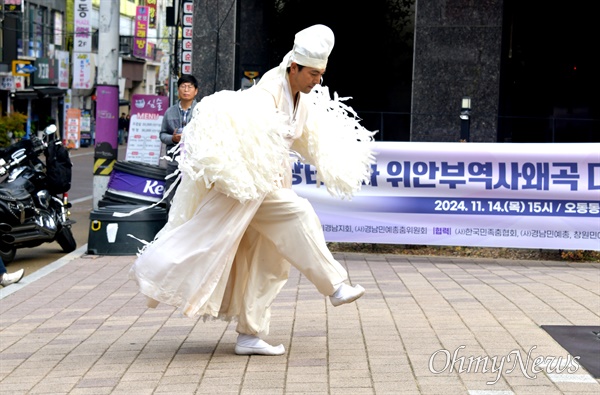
[
  {"x": 11, "y": 278},
  {"x": 252, "y": 345},
  {"x": 346, "y": 294}
]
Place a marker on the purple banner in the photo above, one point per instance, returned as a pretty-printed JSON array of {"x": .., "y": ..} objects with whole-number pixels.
[
  {"x": 107, "y": 117},
  {"x": 141, "y": 187}
]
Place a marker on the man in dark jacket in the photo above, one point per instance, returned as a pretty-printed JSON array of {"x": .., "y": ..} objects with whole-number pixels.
[{"x": 174, "y": 120}]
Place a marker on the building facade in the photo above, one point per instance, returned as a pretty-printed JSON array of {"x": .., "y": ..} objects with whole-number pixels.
[{"x": 39, "y": 38}]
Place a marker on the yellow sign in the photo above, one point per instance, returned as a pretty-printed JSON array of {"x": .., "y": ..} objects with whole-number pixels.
[{"x": 18, "y": 68}]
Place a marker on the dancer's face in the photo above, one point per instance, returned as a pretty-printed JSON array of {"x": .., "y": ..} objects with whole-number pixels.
[{"x": 304, "y": 79}]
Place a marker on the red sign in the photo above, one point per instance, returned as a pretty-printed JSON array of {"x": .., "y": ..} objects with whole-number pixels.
[{"x": 151, "y": 4}]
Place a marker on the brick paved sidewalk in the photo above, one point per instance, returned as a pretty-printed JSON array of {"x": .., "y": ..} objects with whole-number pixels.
[{"x": 84, "y": 329}]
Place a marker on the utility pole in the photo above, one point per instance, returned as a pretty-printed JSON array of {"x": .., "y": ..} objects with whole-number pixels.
[{"x": 107, "y": 97}]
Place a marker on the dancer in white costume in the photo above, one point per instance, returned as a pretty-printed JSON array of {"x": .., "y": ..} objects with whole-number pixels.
[{"x": 236, "y": 225}]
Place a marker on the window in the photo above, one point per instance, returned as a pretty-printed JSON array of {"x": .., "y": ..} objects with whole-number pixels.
[
  {"x": 37, "y": 22},
  {"x": 36, "y": 33}
]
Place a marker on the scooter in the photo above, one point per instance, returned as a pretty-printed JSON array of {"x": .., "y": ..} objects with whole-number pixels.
[{"x": 34, "y": 207}]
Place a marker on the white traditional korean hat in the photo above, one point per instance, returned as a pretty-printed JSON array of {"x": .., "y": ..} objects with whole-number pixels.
[{"x": 312, "y": 47}]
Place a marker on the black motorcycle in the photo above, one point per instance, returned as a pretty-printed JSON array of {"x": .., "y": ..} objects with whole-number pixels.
[{"x": 34, "y": 207}]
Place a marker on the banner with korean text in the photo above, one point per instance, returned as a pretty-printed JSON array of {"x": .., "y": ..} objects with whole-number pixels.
[
  {"x": 83, "y": 70},
  {"x": 469, "y": 194}
]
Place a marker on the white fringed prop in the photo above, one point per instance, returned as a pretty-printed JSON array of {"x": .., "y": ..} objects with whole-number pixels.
[
  {"x": 337, "y": 144},
  {"x": 234, "y": 143}
]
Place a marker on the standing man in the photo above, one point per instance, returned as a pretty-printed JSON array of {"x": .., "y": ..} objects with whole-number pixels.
[
  {"x": 175, "y": 119},
  {"x": 122, "y": 128},
  {"x": 236, "y": 225}
]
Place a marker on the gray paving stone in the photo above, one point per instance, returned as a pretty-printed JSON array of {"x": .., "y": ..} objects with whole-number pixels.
[{"x": 85, "y": 329}]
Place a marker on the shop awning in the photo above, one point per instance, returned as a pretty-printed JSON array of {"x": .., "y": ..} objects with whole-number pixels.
[
  {"x": 24, "y": 94},
  {"x": 38, "y": 93},
  {"x": 49, "y": 91}
]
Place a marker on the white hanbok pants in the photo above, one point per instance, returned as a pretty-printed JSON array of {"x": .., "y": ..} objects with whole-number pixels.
[
  {"x": 230, "y": 260},
  {"x": 284, "y": 230}
]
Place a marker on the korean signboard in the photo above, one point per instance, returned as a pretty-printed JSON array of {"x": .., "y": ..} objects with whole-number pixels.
[
  {"x": 188, "y": 34},
  {"x": 143, "y": 143},
  {"x": 140, "y": 31},
  {"x": 83, "y": 26}
]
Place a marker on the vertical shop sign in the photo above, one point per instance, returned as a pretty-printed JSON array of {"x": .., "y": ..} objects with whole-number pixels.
[
  {"x": 141, "y": 32},
  {"x": 63, "y": 69},
  {"x": 151, "y": 4},
  {"x": 187, "y": 33},
  {"x": 151, "y": 51},
  {"x": 82, "y": 71},
  {"x": 83, "y": 26},
  {"x": 86, "y": 127},
  {"x": 73, "y": 128},
  {"x": 58, "y": 33}
]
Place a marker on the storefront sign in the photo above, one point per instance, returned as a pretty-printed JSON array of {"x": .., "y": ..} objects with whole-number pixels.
[
  {"x": 141, "y": 32},
  {"x": 143, "y": 144},
  {"x": 47, "y": 71},
  {"x": 82, "y": 19},
  {"x": 73, "y": 128}
]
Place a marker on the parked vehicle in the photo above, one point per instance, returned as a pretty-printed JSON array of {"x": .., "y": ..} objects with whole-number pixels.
[{"x": 34, "y": 207}]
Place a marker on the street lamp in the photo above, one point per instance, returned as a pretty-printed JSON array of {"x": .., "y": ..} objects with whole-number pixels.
[{"x": 465, "y": 119}]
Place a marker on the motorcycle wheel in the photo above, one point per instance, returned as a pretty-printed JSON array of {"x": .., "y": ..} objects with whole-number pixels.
[
  {"x": 65, "y": 240},
  {"x": 7, "y": 253}
]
